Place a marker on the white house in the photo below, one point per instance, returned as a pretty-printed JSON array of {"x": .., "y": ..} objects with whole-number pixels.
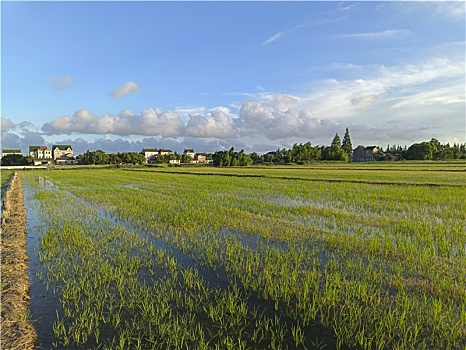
[
  {"x": 59, "y": 151},
  {"x": 7, "y": 152},
  {"x": 41, "y": 152},
  {"x": 150, "y": 154}
]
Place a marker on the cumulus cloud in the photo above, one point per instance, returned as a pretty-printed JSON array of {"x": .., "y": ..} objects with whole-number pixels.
[
  {"x": 217, "y": 124},
  {"x": 267, "y": 119},
  {"x": 152, "y": 121},
  {"x": 417, "y": 93},
  {"x": 125, "y": 89},
  {"x": 157, "y": 122},
  {"x": 6, "y": 124},
  {"x": 12, "y": 140},
  {"x": 61, "y": 83}
]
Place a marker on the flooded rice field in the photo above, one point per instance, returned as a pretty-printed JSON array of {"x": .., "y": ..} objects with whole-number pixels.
[{"x": 169, "y": 261}]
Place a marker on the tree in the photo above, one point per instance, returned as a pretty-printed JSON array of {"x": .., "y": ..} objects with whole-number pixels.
[
  {"x": 14, "y": 159},
  {"x": 334, "y": 151},
  {"x": 115, "y": 158},
  {"x": 419, "y": 151},
  {"x": 336, "y": 142},
  {"x": 96, "y": 157},
  {"x": 346, "y": 145}
]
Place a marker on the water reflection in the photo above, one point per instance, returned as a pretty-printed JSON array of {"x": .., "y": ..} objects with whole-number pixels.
[{"x": 46, "y": 184}]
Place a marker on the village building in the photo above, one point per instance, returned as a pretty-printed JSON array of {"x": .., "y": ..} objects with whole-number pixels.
[
  {"x": 202, "y": 158},
  {"x": 150, "y": 154},
  {"x": 41, "y": 155},
  {"x": 7, "y": 152},
  {"x": 63, "y": 155},
  {"x": 40, "y": 152},
  {"x": 189, "y": 152},
  {"x": 163, "y": 152},
  {"x": 62, "y": 150},
  {"x": 365, "y": 154}
]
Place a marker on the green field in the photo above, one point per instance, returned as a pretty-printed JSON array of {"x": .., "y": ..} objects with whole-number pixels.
[
  {"x": 5, "y": 176},
  {"x": 320, "y": 257}
]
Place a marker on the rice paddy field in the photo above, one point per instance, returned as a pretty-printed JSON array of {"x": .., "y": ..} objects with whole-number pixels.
[
  {"x": 318, "y": 257},
  {"x": 5, "y": 176}
]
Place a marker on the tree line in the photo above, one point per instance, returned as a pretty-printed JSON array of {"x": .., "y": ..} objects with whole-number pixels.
[
  {"x": 339, "y": 150},
  {"x": 99, "y": 157}
]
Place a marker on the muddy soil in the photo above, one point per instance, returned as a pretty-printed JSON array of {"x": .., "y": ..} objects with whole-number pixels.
[{"x": 16, "y": 330}]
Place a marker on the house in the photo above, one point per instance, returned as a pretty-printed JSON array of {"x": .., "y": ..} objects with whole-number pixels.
[
  {"x": 43, "y": 161},
  {"x": 8, "y": 152},
  {"x": 174, "y": 161},
  {"x": 163, "y": 152},
  {"x": 365, "y": 154},
  {"x": 189, "y": 152},
  {"x": 66, "y": 160},
  {"x": 63, "y": 155},
  {"x": 202, "y": 158},
  {"x": 40, "y": 152},
  {"x": 59, "y": 151},
  {"x": 150, "y": 154}
]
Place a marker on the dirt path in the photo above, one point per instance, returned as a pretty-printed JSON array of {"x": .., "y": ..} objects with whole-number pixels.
[{"x": 16, "y": 332}]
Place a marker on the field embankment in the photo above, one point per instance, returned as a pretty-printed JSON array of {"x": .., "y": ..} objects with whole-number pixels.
[{"x": 16, "y": 332}]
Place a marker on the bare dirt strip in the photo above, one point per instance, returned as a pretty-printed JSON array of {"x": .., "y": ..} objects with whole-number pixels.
[{"x": 16, "y": 331}]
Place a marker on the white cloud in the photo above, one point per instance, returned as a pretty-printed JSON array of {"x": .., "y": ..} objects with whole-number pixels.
[
  {"x": 431, "y": 10},
  {"x": 284, "y": 99},
  {"x": 266, "y": 119},
  {"x": 316, "y": 23},
  {"x": 125, "y": 89},
  {"x": 61, "y": 83},
  {"x": 416, "y": 93},
  {"x": 436, "y": 79},
  {"x": 6, "y": 124},
  {"x": 156, "y": 122},
  {"x": 151, "y": 122},
  {"x": 217, "y": 124},
  {"x": 389, "y": 33},
  {"x": 364, "y": 100},
  {"x": 275, "y": 37}
]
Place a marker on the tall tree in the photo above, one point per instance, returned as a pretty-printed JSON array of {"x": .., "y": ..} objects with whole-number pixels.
[
  {"x": 346, "y": 145},
  {"x": 336, "y": 142}
]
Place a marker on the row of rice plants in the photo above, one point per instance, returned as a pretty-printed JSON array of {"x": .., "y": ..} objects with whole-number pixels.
[
  {"x": 5, "y": 180},
  {"x": 364, "y": 284},
  {"x": 118, "y": 290},
  {"x": 426, "y": 173}
]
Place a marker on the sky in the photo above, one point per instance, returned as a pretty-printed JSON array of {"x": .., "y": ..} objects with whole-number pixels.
[{"x": 122, "y": 76}]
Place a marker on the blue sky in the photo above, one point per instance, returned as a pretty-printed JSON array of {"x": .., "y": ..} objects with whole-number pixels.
[{"x": 120, "y": 76}]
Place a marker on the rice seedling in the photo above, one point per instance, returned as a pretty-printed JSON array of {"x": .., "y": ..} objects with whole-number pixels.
[{"x": 256, "y": 262}]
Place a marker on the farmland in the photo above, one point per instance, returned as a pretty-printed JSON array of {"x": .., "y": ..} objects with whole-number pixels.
[
  {"x": 319, "y": 257},
  {"x": 5, "y": 180}
]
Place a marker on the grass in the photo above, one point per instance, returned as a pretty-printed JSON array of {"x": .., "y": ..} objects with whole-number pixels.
[{"x": 152, "y": 259}]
